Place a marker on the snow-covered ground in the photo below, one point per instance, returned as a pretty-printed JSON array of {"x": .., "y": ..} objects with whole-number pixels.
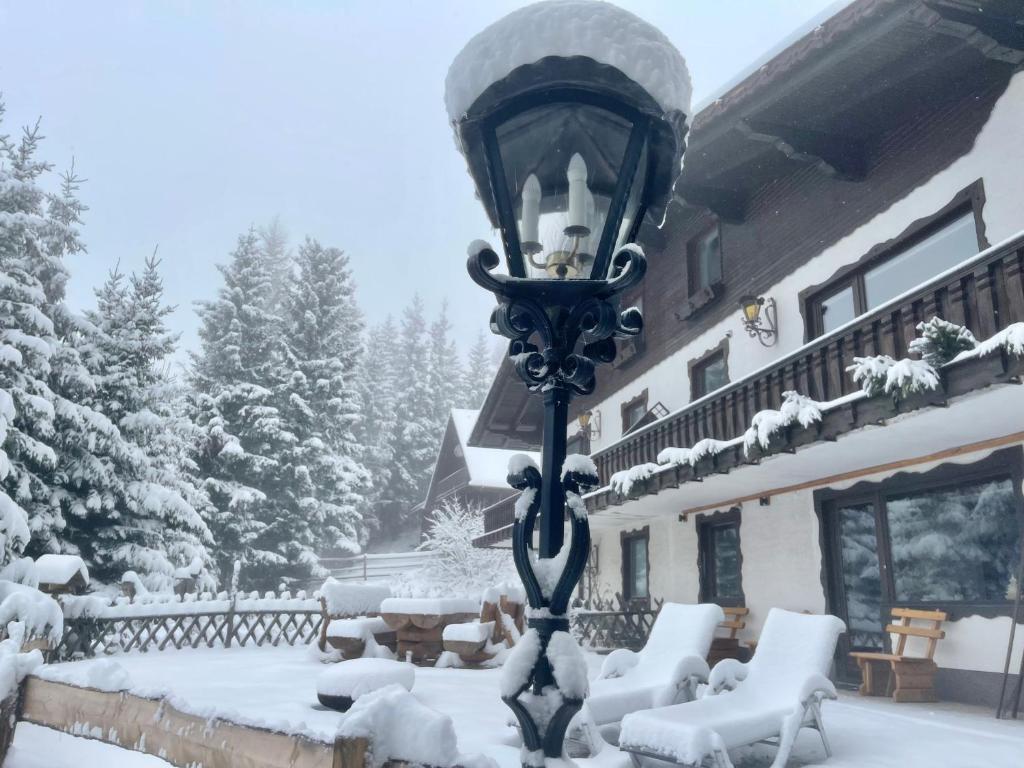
[{"x": 277, "y": 687}]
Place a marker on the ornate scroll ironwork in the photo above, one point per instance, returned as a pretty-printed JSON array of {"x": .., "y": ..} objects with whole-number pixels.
[{"x": 558, "y": 330}]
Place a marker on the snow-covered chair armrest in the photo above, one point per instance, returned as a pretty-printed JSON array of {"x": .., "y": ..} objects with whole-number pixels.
[
  {"x": 688, "y": 673},
  {"x": 617, "y": 663},
  {"x": 817, "y": 687},
  {"x": 727, "y": 674}
]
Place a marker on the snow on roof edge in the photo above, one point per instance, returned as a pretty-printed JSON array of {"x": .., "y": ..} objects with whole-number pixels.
[{"x": 487, "y": 467}]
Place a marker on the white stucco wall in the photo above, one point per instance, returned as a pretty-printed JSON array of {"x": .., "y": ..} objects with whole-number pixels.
[
  {"x": 782, "y": 567},
  {"x": 997, "y": 157}
]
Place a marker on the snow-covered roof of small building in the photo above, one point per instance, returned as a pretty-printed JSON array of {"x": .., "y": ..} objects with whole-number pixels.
[
  {"x": 60, "y": 569},
  {"x": 565, "y": 28},
  {"x": 487, "y": 467}
]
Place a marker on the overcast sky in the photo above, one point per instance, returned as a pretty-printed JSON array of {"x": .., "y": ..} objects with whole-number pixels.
[{"x": 194, "y": 120}]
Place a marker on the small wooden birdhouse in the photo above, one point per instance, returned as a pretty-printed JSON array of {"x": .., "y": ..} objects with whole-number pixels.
[{"x": 62, "y": 574}]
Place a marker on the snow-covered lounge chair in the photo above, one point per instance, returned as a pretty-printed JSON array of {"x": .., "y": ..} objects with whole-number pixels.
[
  {"x": 772, "y": 697},
  {"x": 666, "y": 671}
]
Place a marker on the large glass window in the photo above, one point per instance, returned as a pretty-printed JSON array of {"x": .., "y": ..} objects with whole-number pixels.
[
  {"x": 922, "y": 258},
  {"x": 949, "y": 538},
  {"x": 861, "y": 575},
  {"x": 954, "y": 544},
  {"x": 954, "y": 242},
  {"x": 704, "y": 260},
  {"x": 708, "y": 375},
  {"x": 635, "y": 566},
  {"x": 720, "y": 562}
]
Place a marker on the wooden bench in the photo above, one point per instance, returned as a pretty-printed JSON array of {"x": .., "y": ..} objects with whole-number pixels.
[
  {"x": 728, "y": 645},
  {"x": 904, "y": 677},
  {"x": 507, "y": 620}
]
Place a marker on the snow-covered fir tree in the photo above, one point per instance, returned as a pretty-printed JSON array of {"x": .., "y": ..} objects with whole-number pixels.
[
  {"x": 376, "y": 429},
  {"x": 235, "y": 377},
  {"x": 416, "y": 435},
  {"x": 478, "y": 373},
  {"x": 135, "y": 389},
  {"x": 28, "y": 278},
  {"x": 444, "y": 371},
  {"x": 319, "y": 401}
]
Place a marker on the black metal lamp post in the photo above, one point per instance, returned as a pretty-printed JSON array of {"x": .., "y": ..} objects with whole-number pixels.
[{"x": 568, "y": 155}]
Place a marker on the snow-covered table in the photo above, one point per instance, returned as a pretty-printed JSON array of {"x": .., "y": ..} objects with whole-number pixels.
[
  {"x": 419, "y": 623},
  {"x": 339, "y": 686}
]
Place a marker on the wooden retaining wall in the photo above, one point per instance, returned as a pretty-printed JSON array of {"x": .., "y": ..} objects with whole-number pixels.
[{"x": 156, "y": 727}]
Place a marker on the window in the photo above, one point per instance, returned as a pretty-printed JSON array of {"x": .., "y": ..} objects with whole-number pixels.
[
  {"x": 947, "y": 539},
  {"x": 635, "y": 565},
  {"x": 633, "y": 411},
  {"x": 920, "y": 257},
  {"x": 704, "y": 261},
  {"x": 708, "y": 374},
  {"x": 720, "y": 560}
]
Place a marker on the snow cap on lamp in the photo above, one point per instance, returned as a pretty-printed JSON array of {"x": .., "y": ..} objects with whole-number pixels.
[
  {"x": 583, "y": 44},
  {"x": 566, "y": 28}
]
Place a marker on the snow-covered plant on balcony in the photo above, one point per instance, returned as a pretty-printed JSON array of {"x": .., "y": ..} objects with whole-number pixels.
[
  {"x": 900, "y": 379},
  {"x": 622, "y": 482},
  {"x": 1009, "y": 340},
  {"x": 939, "y": 341},
  {"x": 795, "y": 409}
]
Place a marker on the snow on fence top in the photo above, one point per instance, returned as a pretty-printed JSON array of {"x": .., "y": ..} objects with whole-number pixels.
[
  {"x": 163, "y": 604},
  {"x": 565, "y": 28},
  {"x": 60, "y": 569}
]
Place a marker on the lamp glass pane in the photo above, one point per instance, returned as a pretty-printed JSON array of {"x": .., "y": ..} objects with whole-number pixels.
[{"x": 562, "y": 164}]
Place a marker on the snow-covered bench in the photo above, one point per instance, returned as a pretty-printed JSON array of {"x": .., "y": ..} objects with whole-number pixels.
[
  {"x": 772, "y": 697},
  {"x": 501, "y": 623},
  {"x": 665, "y": 671},
  {"x": 911, "y": 677},
  {"x": 339, "y": 600},
  {"x": 363, "y": 636}
]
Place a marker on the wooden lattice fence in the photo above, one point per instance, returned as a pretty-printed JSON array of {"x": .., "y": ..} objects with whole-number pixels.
[
  {"x": 92, "y": 629},
  {"x": 604, "y": 624}
]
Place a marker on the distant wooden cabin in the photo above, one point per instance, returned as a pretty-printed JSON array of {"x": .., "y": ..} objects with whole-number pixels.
[
  {"x": 468, "y": 474},
  {"x": 62, "y": 574}
]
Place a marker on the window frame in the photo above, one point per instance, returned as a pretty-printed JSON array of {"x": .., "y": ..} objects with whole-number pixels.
[
  {"x": 694, "y": 272},
  {"x": 698, "y": 365},
  {"x": 626, "y": 539},
  {"x": 970, "y": 200},
  {"x": 628, "y": 406},
  {"x": 1007, "y": 463},
  {"x": 706, "y": 525}
]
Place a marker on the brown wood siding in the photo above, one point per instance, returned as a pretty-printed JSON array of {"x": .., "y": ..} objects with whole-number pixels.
[{"x": 788, "y": 222}]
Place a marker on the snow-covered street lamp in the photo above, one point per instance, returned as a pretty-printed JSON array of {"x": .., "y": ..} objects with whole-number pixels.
[{"x": 571, "y": 116}]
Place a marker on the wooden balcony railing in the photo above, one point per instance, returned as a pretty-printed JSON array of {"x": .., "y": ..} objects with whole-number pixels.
[{"x": 985, "y": 294}]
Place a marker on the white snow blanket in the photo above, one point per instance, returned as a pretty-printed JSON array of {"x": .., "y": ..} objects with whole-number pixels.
[
  {"x": 357, "y": 629},
  {"x": 352, "y": 599},
  {"x": 675, "y": 651},
  {"x": 469, "y": 632},
  {"x": 400, "y": 728},
  {"x": 600, "y": 31},
  {"x": 789, "y": 669},
  {"x": 359, "y": 677},
  {"x": 60, "y": 569},
  {"x": 429, "y": 606}
]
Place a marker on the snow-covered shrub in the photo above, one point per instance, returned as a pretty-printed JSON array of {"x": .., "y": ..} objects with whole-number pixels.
[
  {"x": 939, "y": 341},
  {"x": 458, "y": 569},
  {"x": 622, "y": 482}
]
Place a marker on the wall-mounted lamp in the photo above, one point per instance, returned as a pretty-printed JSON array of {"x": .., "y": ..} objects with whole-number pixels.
[
  {"x": 590, "y": 423},
  {"x": 760, "y": 319}
]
